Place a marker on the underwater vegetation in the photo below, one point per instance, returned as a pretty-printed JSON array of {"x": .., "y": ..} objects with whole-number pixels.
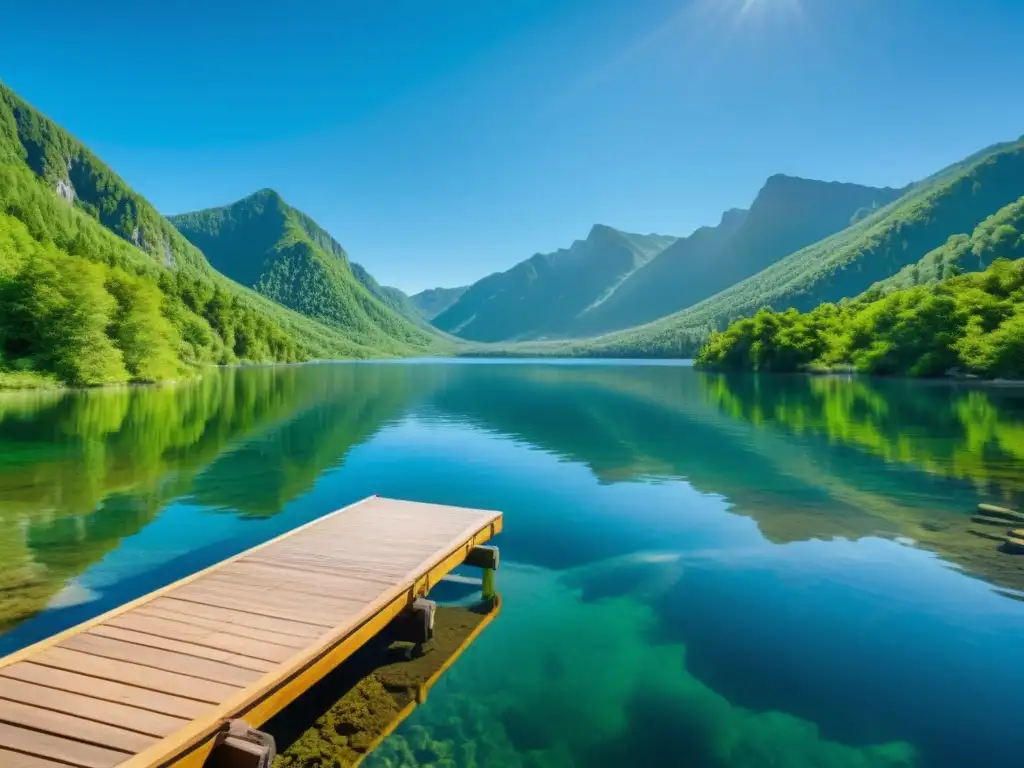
[
  {"x": 382, "y": 681},
  {"x": 568, "y": 683}
]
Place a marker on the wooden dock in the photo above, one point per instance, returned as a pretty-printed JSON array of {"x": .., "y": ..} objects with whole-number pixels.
[{"x": 155, "y": 682}]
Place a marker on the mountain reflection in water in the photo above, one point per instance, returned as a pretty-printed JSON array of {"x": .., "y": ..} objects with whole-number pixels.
[{"x": 735, "y": 571}]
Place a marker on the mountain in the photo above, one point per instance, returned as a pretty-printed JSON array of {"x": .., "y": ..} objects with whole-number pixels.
[
  {"x": 544, "y": 295},
  {"x": 788, "y": 214},
  {"x": 433, "y": 301},
  {"x": 262, "y": 242},
  {"x": 97, "y": 287},
  {"x": 953, "y": 202},
  {"x": 1001, "y": 235}
]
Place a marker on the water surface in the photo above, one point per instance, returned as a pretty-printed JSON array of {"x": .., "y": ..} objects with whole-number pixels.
[{"x": 697, "y": 570}]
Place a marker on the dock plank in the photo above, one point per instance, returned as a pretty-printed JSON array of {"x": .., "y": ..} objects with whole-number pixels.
[
  {"x": 230, "y": 617},
  {"x": 351, "y": 570},
  {"x": 167, "y": 643},
  {"x": 313, "y": 584},
  {"x": 143, "y": 677},
  {"x": 277, "y": 598},
  {"x": 213, "y": 599},
  {"x": 321, "y": 569},
  {"x": 73, "y": 727},
  {"x": 150, "y": 683},
  {"x": 10, "y": 759},
  {"x": 214, "y": 630},
  {"x": 91, "y": 708},
  {"x": 55, "y": 748},
  {"x": 104, "y": 690},
  {"x": 193, "y": 666}
]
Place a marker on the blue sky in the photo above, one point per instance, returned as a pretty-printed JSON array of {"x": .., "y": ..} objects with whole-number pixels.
[{"x": 441, "y": 141}]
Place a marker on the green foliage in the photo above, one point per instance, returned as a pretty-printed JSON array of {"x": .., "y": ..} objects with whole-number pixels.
[
  {"x": 54, "y": 313},
  {"x": 393, "y": 298},
  {"x": 59, "y": 160},
  {"x": 80, "y": 303},
  {"x": 1000, "y": 235},
  {"x": 98, "y": 288},
  {"x": 283, "y": 254},
  {"x": 147, "y": 339},
  {"x": 973, "y": 323},
  {"x": 844, "y": 265}
]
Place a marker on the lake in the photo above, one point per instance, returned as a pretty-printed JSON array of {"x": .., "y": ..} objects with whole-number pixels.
[{"x": 697, "y": 569}]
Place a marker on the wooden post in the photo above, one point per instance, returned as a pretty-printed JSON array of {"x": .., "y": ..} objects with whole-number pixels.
[
  {"x": 488, "y": 591},
  {"x": 243, "y": 747},
  {"x": 423, "y": 611},
  {"x": 416, "y": 623},
  {"x": 483, "y": 557}
]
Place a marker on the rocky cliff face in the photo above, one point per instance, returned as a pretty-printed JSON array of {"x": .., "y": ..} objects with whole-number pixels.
[{"x": 64, "y": 190}]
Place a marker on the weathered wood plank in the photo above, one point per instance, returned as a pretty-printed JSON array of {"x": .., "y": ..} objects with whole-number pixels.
[
  {"x": 72, "y": 727},
  {"x": 180, "y": 646},
  {"x": 240, "y": 618},
  {"x": 277, "y": 598},
  {"x": 256, "y": 576},
  {"x": 194, "y": 627},
  {"x": 52, "y": 747},
  {"x": 133, "y": 674},
  {"x": 300, "y": 566},
  {"x": 10, "y": 759},
  {"x": 91, "y": 708},
  {"x": 254, "y": 608},
  {"x": 105, "y": 690},
  {"x": 109, "y": 648}
]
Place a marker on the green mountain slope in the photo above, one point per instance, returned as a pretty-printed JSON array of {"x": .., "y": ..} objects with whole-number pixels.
[
  {"x": 544, "y": 295},
  {"x": 1001, "y": 235},
  {"x": 283, "y": 254},
  {"x": 433, "y": 301},
  {"x": 972, "y": 322},
  {"x": 96, "y": 287},
  {"x": 788, "y": 214},
  {"x": 395, "y": 299},
  {"x": 953, "y": 202}
]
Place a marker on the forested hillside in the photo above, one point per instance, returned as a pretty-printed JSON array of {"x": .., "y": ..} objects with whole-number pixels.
[
  {"x": 263, "y": 242},
  {"x": 788, "y": 214},
  {"x": 546, "y": 294},
  {"x": 953, "y": 202},
  {"x": 394, "y": 298},
  {"x": 972, "y": 323},
  {"x": 96, "y": 287},
  {"x": 1001, "y": 235}
]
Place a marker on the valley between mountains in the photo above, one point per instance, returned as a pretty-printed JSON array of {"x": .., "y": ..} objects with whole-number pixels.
[{"x": 98, "y": 287}]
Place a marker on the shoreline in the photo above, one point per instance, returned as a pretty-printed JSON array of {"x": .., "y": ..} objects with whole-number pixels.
[
  {"x": 842, "y": 373},
  {"x": 45, "y": 385},
  {"x": 37, "y": 382}
]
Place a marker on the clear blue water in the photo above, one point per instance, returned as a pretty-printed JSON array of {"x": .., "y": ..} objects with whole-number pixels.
[{"x": 696, "y": 570}]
